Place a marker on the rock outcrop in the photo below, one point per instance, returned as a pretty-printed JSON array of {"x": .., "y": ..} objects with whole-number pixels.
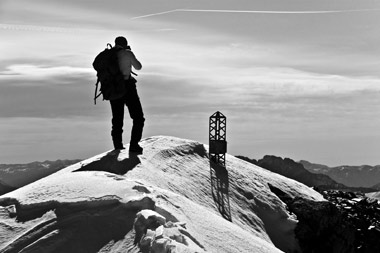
[
  {"x": 346, "y": 223},
  {"x": 363, "y": 214}
]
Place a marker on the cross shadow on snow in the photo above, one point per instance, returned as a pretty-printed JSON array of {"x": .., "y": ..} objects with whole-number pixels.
[
  {"x": 219, "y": 188},
  {"x": 114, "y": 162}
]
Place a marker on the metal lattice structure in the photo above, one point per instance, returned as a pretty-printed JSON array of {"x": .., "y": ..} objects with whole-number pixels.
[
  {"x": 217, "y": 138},
  {"x": 218, "y": 171}
]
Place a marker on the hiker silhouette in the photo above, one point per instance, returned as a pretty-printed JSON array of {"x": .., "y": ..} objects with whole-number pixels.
[{"x": 126, "y": 60}]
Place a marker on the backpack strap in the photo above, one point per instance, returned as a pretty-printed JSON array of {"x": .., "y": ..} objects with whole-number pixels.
[{"x": 96, "y": 91}]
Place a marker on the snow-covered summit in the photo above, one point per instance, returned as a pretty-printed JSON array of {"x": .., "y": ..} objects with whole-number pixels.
[{"x": 167, "y": 200}]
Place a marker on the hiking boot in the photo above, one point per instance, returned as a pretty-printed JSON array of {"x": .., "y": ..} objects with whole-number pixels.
[{"x": 135, "y": 148}]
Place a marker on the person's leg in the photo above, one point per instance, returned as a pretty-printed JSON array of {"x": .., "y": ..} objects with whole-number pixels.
[
  {"x": 136, "y": 113},
  {"x": 117, "y": 107}
]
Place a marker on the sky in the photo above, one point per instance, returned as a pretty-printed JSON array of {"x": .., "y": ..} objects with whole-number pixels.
[{"x": 297, "y": 79}]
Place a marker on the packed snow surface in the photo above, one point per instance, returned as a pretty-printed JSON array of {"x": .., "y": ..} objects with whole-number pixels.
[
  {"x": 170, "y": 199},
  {"x": 374, "y": 195}
]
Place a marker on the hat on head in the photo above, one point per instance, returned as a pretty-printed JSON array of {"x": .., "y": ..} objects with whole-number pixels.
[{"x": 121, "y": 41}]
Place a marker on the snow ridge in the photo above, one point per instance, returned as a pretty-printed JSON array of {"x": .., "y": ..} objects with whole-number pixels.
[{"x": 170, "y": 199}]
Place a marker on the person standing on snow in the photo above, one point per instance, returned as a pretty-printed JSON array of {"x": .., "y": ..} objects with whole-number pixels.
[{"x": 127, "y": 59}]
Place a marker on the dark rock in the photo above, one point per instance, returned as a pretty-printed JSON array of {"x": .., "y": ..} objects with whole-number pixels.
[
  {"x": 253, "y": 161},
  {"x": 363, "y": 214},
  {"x": 321, "y": 226},
  {"x": 347, "y": 222}
]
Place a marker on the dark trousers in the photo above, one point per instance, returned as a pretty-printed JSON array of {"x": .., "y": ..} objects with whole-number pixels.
[{"x": 132, "y": 101}]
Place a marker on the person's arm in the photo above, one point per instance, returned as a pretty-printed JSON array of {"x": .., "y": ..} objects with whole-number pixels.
[{"x": 135, "y": 63}]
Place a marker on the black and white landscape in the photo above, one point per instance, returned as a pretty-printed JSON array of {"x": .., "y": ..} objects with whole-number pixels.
[{"x": 298, "y": 81}]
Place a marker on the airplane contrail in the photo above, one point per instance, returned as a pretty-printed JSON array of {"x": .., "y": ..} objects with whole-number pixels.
[{"x": 251, "y": 11}]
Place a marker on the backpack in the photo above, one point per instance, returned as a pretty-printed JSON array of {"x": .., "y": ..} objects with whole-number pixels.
[{"x": 109, "y": 75}]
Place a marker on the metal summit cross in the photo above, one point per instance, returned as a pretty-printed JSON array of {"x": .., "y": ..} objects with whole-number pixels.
[
  {"x": 218, "y": 171},
  {"x": 217, "y": 138}
]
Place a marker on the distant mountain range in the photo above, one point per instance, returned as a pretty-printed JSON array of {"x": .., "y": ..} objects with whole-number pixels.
[
  {"x": 294, "y": 170},
  {"x": 13, "y": 176},
  {"x": 4, "y": 187},
  {"x": 353, "y": 176}
]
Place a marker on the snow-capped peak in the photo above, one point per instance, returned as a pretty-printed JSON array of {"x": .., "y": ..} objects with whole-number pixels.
[{"x": 171, "y": 197}]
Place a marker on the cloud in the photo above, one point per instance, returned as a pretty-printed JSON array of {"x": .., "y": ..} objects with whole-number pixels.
[
  {"x": 28, "y": 139},
  {"x": 47, "y": 92},
  {"x": 313, "y": 43},
  {"x": 28, "y": 72},
  {"x": 277, "y": 99},
  {"x": 277, "y": 77},
  {"x": 63, "y": 98}
]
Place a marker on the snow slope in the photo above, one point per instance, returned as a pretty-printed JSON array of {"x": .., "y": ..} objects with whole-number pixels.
[
  {"x": 167, "y": 200},
  {"x": 374, "y": 195}
]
